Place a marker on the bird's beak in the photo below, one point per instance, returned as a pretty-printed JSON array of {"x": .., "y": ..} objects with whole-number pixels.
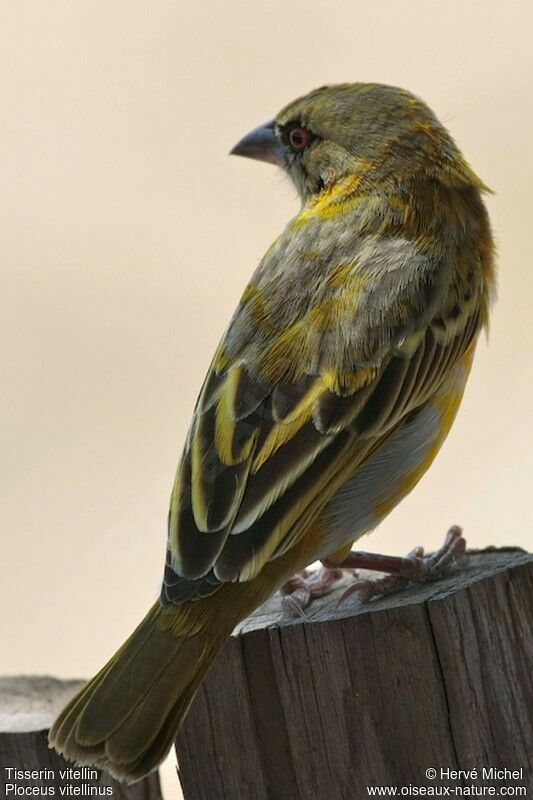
[{"x": 262, "y": 144}]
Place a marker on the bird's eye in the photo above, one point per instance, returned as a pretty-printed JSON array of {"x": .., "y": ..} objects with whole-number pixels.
[{"x": 299, "y": 138}]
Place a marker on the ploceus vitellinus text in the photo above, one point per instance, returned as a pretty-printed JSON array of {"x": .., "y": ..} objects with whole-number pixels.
[{"x": 331, "y": 392}]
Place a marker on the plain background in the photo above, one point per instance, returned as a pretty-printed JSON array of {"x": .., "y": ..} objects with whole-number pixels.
[{"x": 127, "y": 235}]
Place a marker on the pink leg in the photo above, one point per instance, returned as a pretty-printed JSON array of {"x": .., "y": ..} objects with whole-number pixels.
[
  {"x": 401, "y": 571},
  {"x": 305, "y": 587}
]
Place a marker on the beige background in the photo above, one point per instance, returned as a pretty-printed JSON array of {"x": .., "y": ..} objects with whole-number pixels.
[{"x": 126, "y": 237}]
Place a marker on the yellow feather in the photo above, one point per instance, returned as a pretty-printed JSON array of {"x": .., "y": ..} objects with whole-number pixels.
[
  {"x": 225, "y": 423},
  {"x": 284, "y": 431}
]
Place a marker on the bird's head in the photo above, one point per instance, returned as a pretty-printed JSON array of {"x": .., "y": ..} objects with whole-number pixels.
[{"x": 380, "y": 134}]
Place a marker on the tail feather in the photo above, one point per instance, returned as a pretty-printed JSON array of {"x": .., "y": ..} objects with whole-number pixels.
[
  {"x": 156, "y": 752},
  {"x": 124, "y": 720},
  {"x": 139, "y": 668}
]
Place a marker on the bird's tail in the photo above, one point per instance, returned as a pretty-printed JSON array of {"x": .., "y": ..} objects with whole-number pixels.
[{"x": 125, "y": 719}]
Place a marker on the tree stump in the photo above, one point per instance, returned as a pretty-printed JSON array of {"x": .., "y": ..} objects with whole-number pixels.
[
  {"x": 28, "y": 706},
  {"x": 437, "y": 677}
]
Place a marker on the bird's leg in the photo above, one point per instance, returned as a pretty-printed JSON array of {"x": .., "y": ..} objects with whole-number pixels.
[
  {"x": 401, "y": 571},
  {"x": 300, "y": 590},
  {"x": 306, "y": 586}
]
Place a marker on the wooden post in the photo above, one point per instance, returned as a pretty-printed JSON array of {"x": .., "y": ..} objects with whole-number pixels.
[
  {"x": 437, "y": 677},
  {"x": 28, "y": 706}
]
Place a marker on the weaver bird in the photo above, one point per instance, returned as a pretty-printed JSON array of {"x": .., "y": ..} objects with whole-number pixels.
[{"x": 332, "y": 390}]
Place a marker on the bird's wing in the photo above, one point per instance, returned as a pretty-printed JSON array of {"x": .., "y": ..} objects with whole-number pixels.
[{"x": 308, "y": 380}]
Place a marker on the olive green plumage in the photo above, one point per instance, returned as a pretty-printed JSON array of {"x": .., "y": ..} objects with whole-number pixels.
[{"x": 351, "y": 346}]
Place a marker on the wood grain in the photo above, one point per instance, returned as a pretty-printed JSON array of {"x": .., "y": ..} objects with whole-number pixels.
[
  {"x": 28, "y": 706},
  {"x": 438, "y": 675}
]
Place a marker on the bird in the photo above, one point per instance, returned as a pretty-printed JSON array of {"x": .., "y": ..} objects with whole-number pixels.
[{"x": 331, "y": 392}]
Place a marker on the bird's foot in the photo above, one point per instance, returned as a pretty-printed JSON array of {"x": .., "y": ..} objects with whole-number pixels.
[
  {"x": 415, "y": 567},
  {"x": 300, "y": 590}
]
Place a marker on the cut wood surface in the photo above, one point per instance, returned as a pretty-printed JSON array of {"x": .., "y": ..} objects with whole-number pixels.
[
  {"x": 28, "y": 706},
  {"x": 354, "y": 696}
]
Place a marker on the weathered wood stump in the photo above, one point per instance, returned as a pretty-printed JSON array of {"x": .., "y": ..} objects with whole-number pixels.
[
  {"x": 28, "y": 706},
  {"x": 435, "y": 677}
]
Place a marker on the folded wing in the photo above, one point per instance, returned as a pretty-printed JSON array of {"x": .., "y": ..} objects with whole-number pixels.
[{"x": 304, "y": 386}]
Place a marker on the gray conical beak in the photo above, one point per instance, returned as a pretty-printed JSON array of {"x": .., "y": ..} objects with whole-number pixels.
[{"x": 261, "y": 144}]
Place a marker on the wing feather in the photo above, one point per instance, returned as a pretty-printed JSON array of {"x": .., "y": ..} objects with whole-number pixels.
[{"x": 265, "y": 454}]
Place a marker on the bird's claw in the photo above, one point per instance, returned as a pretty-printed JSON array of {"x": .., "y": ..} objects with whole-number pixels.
[
  {"x": 300, "y": 590},
  {"x": 416, "y": 567}
]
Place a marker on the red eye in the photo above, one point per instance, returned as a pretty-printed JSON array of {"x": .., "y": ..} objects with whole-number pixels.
[{"x": 299, "y": 138}]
